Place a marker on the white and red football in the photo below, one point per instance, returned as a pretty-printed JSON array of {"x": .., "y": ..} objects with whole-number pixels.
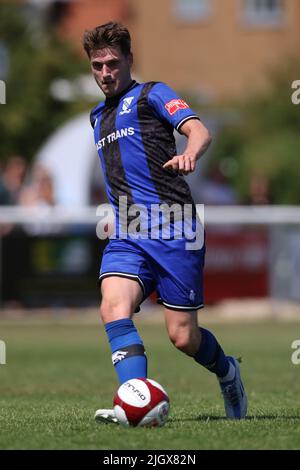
[{"x": 141, "y": 402}]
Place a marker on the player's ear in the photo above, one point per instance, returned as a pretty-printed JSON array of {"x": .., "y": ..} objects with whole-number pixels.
[{"x": 130, "y": 59}]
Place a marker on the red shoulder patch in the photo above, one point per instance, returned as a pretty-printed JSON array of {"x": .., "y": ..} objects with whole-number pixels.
[{"x": 174, "y": 105}]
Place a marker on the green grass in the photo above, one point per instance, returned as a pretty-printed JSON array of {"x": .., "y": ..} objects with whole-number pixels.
[{"x": 58, "y": 373}]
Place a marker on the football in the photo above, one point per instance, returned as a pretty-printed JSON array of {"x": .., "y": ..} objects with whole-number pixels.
[{"x": 141, "y": 402}]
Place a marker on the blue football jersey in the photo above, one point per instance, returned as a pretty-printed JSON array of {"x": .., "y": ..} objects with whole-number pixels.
[{"x": 134, "y": 138}]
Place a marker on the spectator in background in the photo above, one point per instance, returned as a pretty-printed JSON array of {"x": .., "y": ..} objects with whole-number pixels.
[
  {"x": 12, "y": 180},
  {"x": 259, "y": 190},
  {"x": 39, "y": 193},
  {"x": 216, "y": 190}
]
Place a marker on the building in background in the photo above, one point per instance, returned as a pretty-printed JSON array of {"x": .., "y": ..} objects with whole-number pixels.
[{"x": 216, "y": 48}]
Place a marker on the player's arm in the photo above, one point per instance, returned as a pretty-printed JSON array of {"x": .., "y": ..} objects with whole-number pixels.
[{"x": 199, "y": 140}]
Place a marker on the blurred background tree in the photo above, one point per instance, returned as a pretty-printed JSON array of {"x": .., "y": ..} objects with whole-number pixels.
[
  {"x": 262, "y": 147},
  {"x": 36, "y": 57}
]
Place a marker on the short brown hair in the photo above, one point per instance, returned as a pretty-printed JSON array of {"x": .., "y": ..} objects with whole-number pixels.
[{"x": 108, "y": 34}]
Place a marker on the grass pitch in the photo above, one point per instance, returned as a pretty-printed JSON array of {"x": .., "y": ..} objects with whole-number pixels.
[{"x": 59, "y": 372}]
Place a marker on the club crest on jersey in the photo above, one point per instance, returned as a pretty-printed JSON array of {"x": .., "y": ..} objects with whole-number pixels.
[
  {"x": 175, "y": 105},
  {"x": 125, "y": 106}
]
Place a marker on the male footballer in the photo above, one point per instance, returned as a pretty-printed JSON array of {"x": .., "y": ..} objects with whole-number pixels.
[{"x": 133, "y": 130}]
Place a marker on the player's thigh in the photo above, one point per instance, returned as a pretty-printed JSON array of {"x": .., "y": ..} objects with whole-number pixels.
[{"x": 120, "y": 298}]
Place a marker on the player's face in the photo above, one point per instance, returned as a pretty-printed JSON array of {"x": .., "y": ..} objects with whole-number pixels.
[{"x": 111, "y": 69}]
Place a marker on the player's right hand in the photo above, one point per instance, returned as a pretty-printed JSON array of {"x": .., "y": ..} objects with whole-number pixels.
[{"x": 184, "y": 164}]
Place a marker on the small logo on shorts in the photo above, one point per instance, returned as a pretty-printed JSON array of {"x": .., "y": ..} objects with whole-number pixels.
[{"x": 192, "y": 295}]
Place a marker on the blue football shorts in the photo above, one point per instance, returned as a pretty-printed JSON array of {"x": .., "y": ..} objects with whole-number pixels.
[{"x": 164, "y": 266}]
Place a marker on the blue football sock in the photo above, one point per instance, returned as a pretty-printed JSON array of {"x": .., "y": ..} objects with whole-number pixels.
[
  {"x": 211, "y": 355},
  {"x": 128, "y": 353}
]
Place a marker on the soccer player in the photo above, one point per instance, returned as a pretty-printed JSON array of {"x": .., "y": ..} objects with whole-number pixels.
[{"x": 133, "y": 132}]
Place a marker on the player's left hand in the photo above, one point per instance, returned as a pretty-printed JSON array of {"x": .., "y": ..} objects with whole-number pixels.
[{"x": 184, "y": 164}]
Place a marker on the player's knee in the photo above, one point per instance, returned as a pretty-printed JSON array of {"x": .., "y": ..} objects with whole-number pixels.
[
  {"x": 112, "y": 309},
  {"x": 184, "y": 341}
]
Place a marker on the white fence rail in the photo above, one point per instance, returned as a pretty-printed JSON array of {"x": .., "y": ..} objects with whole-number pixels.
[{"x": 214, "y": 215}]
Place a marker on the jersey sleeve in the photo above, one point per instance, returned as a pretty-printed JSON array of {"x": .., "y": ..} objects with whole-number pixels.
[{"x": 167, "y": 105}]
